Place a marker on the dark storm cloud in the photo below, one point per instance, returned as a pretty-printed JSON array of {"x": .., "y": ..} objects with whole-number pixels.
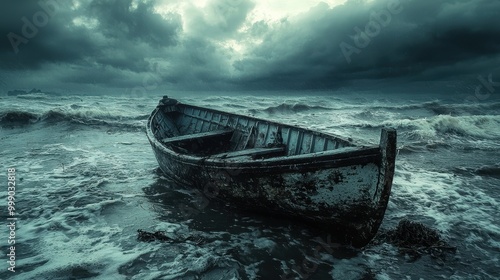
[
  {"x": 93, "y": 33},
  {"x": 25, "y": 45},
  {"x": 125, "y": 44},
  {"x": 119, "y": 21},
  {"x": 418, "y": 40}
]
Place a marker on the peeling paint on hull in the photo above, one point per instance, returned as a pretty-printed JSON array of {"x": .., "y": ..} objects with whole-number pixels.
[{"x": 344, "y": 192}]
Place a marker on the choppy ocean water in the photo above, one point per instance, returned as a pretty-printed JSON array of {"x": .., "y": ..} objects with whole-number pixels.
[{"x": 87, "y": 180}]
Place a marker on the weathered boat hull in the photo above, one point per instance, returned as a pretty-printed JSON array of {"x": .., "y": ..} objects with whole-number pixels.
[{"x": 344, "y": 190}]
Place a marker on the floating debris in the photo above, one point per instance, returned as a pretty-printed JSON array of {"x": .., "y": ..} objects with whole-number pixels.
[
  {"x": 409, "y": 233},
  {"x": 146, "y": 236},
  {"x": 416, "y": 239}
]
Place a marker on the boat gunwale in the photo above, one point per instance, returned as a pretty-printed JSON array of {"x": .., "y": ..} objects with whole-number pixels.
[
  {"x": 273, "y": 162},
  {"x": 283, "y": 125}
]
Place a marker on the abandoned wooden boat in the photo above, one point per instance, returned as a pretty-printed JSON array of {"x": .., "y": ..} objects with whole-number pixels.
[{"x": 277, "y": 168}]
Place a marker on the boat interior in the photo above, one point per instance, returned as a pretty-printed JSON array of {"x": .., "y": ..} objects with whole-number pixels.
[{"x": 204, "y": 132}]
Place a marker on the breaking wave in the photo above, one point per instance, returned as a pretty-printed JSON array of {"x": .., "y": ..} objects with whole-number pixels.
[
  {"x": 478, "y": 127},
  {"x": 18, "y": 117},
  {"x": 75, "y": 114},
  {"x": 489, "y": 170},
  {"x": 421, "y": 146},
  {"x": 435, "y": 108},
  {"x": 439, "y": 108},
  {"x": 34, "y": 96},
  {"x": 289, "y": 108}
]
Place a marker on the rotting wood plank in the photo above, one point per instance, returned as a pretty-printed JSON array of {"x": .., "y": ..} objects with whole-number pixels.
[
  {"x": 202, "y": 135},
  {"x": 254, "y": 153}
]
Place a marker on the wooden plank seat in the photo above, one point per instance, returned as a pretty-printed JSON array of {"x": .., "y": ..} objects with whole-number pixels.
[
  {"x": 254, "y": 153},
  {"x": 201, "y": 144},
  {"x": 199, "y": 136}
]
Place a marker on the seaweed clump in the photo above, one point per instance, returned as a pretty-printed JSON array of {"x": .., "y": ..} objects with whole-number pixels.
[
  {"x": 146, "y": 236},
  {"x": 409, "y": 233},
  {"x": 416, "y": 239}
]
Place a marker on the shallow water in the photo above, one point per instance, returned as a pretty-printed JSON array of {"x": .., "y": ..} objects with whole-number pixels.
[{"x": 87, "y": 180}]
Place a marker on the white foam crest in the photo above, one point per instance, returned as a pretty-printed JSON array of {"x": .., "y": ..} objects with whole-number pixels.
[
  {"x": 347, "y": 269},
  {"x": 252, "y": 270},
  {"x": 85, "y": 108},
  {"x": 170, "y": 227},
  {"x": 264, "y": 244},
  {"x": 72, "y": 236},
  {"x": 91, "y": 162},
  {"x": 100, "y": 112},
  {"x": 92, "y": 250},
  {"x": 443, "y": 197},
  {"x": 475, "y": 126},
  {"x": 189, "y": 261}
]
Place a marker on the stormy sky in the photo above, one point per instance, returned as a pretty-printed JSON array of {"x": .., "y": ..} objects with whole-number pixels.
[{"x": 145, "y": 45}]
